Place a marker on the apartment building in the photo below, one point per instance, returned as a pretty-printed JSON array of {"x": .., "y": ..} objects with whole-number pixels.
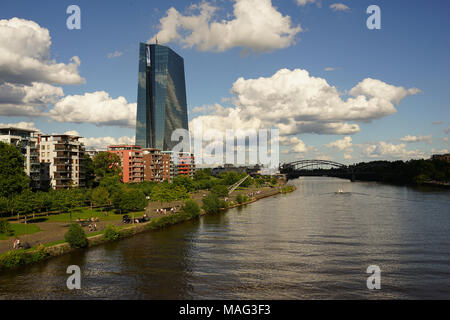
[
  {"x": 156, "y": 165},
  {"x": 27, "y": 142},
  {"x": 131, "y": 160},
  {"x": 62, "y": 161},
  {"x": 182, "y": 163}
]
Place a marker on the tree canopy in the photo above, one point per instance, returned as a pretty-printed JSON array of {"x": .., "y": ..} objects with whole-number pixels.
[
  {"x": 13, "y": 178},
  {"x": 106, "y": 164}
]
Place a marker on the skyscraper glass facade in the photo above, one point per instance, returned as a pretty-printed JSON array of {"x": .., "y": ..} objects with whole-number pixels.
[{"x": 161, "y": 103}]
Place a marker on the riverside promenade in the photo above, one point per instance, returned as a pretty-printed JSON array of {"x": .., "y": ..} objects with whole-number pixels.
[{"x": 53, "y": 232}]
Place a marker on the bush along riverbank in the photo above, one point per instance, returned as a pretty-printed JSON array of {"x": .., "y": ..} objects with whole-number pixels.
[{"x": 76, "y": 238}]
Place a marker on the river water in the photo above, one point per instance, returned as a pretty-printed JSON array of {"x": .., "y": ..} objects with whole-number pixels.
[{"x": 313, "y": 243}]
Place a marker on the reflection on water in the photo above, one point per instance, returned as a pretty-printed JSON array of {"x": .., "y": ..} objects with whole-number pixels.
[{"x": 315, "y": 243}]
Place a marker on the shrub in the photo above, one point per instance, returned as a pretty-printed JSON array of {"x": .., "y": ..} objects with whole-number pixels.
[
  {"x": 76, "y": 236},
  {"x": 39, "y": 254},
  {"x": 191, "y": 208},
  {"x": 287, "y": 189},
  {"x": 15, "y": 258},
  {"x": 12, "y": 259},
  {"x": 111, "y": 233},
  {"x": 165, "y": 221},
  {"x": 241, "y": 198},
  {"x": 5, "y": 227}
]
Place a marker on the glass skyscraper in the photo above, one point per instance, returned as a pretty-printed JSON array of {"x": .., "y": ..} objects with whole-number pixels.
[{"x": 161, "y": 102}]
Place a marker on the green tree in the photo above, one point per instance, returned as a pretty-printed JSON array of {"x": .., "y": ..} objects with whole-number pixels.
[
  {"x": 111, "y": 183},
  {"x": 89, "y": 170},
  {"x": 76, "y": 236},
  {"x": 212, "y": 203},
  {"x": 179, "y": 193},
  {"x": 106, "y": 164},
  {"x": 230, "y": 177},
  {"x": 162, "y": 193},
  {"x": 247, "y": 182},
  {"x": 185, "y": 181},
  {"x": 191, "y": 208},
  {"x": 129, "y": 200},
  {"x": 100, "y": 196},
  {"x": 24, "y": 203},
  {"x": 202, "y": 174},
  {"x": 241, "y": 198},
  {"x": 4, "y": 206},
  {"x": 220, "y": 189},
  {"x": 12, "y": 174}
]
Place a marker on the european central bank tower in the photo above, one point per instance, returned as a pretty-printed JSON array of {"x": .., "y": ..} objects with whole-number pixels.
[{"x": 161, "y": 101}]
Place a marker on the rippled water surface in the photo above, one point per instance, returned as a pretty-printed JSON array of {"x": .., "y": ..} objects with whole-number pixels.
[{"x": 310, "y": 244}]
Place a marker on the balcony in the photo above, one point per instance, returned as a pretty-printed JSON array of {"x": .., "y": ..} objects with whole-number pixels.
[{"x": 62, "y": 155}]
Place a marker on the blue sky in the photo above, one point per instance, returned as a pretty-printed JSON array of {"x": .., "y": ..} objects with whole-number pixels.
[{"x": 411, "y": 51}]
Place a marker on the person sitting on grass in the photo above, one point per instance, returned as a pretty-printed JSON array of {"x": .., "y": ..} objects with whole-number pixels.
[{"x": 16, "y": 244}]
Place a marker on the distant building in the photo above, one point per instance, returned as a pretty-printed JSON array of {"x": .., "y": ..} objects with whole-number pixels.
[
  {"x": 156, "y": 165},
  {"x": 161, "y": 99},
  {"x": 131, "y": 160},
  {"x": 251, "y": 170},
  {"x": 93, "y": 152},
  {"x": 27, "y": 142},
  {"x": 61, "y": 158},
  {"x": 442, "y": 157},
  {"x": 182, "y": 163}
]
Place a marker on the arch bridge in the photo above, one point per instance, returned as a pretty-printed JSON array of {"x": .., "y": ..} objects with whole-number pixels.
[
  {"x": 312, "y": 165},
  {"x": 299, "y": 168}
]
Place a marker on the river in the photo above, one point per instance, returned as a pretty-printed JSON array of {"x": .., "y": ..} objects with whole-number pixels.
[{"x": 313, "y": 243}]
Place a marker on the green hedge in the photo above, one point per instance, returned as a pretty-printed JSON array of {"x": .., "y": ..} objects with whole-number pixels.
[
  {"x": 111, "y": 233},
  {"x": 287, "y": 189},
  {"x": 16, "y": 258}
]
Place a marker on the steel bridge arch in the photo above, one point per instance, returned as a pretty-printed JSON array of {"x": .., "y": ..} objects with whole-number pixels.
[{"x": 304, "y": 164}]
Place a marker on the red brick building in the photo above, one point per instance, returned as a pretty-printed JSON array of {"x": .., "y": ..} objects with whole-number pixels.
[
  {"x": 132, "y": 162},
  {"x": 140, "y": 164},
  {"x": 156, "y": 165}
]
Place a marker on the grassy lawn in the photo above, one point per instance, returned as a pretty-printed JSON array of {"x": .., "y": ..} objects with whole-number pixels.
[
  {"x": 20, "y": 229},
  {"x": 83, "y": 214}
]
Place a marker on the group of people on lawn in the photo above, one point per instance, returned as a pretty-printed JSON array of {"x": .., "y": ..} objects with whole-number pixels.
[{"x": 164, "y": 210}]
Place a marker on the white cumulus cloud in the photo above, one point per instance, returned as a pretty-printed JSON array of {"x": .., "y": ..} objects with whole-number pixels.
[
  {"x": 97, "y": 108},
  {"x": 304, "y": 2},
  {"x": 22, "y": 100},
  {"x": 343, "y": 144},
  {"x": 102, "y": 142},
  {"x": 25, "y": 55},
  {"x": 296, "y": 102},
  {"x": 411, "y": 139},
  {"x": 114, "y": 54},
  {"x": 26, "y": 70},
  {"x": 339, "y": 7},
  {"x": 385, "y": 150},
  {"x": 295, "y": 144},
  {"x": 22, "y": 125},
  {"x": 256, "y": 25}
]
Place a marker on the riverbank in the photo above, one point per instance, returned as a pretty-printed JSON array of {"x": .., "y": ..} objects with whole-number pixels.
[{"x": 15, "y": 258}]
